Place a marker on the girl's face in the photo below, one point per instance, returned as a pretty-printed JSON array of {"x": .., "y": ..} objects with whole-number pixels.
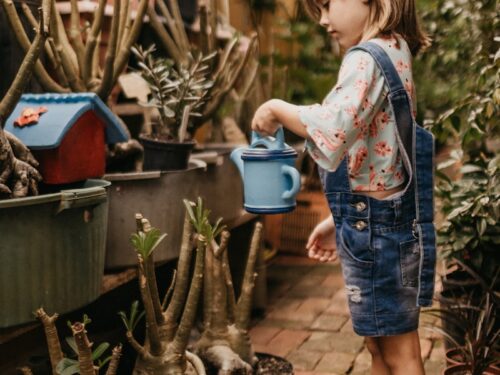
[{"x": 345, "y": 20}]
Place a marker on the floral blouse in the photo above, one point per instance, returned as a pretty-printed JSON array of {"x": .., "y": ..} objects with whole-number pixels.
[{"x": 356, "y": 120}]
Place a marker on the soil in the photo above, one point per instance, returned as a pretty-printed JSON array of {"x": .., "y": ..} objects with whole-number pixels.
[{"x": 270, "y": 364}]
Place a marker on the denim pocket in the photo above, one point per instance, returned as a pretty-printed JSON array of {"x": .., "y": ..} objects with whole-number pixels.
[
  {"x": 409, "y": 252},
  {"x": 355, "y": 244}
]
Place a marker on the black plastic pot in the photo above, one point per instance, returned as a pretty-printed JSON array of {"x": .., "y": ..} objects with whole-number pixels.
[{"x": 165, "y": 155}]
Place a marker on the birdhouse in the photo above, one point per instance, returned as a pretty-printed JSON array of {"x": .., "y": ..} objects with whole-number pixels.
[{"x": 67, "y": 133}]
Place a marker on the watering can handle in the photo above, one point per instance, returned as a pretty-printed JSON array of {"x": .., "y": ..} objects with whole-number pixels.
[
  {"x": 279, "y": 144},
  {"x": 295, "y": 176}
]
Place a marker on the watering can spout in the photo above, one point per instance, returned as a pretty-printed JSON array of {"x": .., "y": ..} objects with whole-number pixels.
[{"x": 236, "y": 159}]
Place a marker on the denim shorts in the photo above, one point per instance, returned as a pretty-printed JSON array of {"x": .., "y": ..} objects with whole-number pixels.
[{"x": 380, "y": 258}]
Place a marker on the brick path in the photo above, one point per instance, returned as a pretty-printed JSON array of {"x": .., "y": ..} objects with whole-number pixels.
[{"x": 307, "y": 322}]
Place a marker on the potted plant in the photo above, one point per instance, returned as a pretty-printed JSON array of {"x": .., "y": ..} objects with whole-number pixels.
[
  {"x": 478, "y": 325},
  {"x": 177, "y": 93}
]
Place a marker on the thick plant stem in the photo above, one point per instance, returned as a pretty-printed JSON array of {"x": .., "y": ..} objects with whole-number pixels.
[
  {"x": 208, "y": 289},
  {"x": 124, "y": 26},
  {"x": 49, "y": 48},
  {"x": 179, "y": 23},
  {"x": 92, "y": 42},
  {"x": 151, "y": 326},
  {"x": 220, "y": 321},
  {"x": 174, "y": 309},
  {"x": 68, "y": 66},
  {"x": 245, "y": 301},
  {"x": 155, "y": 296},
  {"x": 141, "y": 351},
  {"x": 107, "y": 78},
  {"x": 85, "y": 363},
  {"x": 75, "y": 34},
  {"x": 206, "y": 47},
  {"x": 231, "y": 299},
  {"x": 124, "y": 53},
  {"x": 163, "y": 35},
  {"x": 53, "y": 343},
  {"x": 15, "y": 23},
  {"x": 181, "y": 339},
  {"x": 115, "y": 360}
]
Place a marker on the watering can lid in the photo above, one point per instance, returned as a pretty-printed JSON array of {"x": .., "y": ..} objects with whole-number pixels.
[{"x": 268, "y": 148}]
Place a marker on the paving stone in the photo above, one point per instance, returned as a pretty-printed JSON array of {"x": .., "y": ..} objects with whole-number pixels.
[
  {"x": 329, "y": 322},
  {"x": 339, "y": 305},
  {"x": 303, "y": 359},
  {"x": 326, "y": 269},
  {"x": 336, "y": 362},
  {"x": 287, "y": 324},
  {"x": 289, "y": 309},
  {"x": 363, "y": 363},
  {"x": 314, "y": 305},
  {"x": 425, "y": 348},
  {"x": 308, "y": 288},
  {"x": 334, "y": 281},
  {"x": 262, "y": 334},
  {"x": 337, "y": 342},
  {"x": 287, "y": 340},
  {"x": 277, "y": 290},
  {"x": 347, "y": 327}
]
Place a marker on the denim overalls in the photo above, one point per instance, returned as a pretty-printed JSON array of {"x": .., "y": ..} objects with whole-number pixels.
[{"x": 387, "y": 247}]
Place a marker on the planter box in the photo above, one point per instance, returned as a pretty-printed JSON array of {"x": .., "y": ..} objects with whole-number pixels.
[
  {"x": 159, "y": 197},
  {"x": 52, "y": 251}
]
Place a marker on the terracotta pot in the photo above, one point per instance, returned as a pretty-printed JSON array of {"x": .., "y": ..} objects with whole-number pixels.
[{"x": 454, "y": 356}]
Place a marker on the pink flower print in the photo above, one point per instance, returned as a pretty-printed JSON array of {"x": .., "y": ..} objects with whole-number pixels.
[
  {"x": 337, "y": 135},
  {"x": 362, "y": 64},
  {"x": 380, "y": 186},
  {"x": 323, "y": 141},
  {"x": 363, "y": 128},
  {"x": 372, "y": 173},
  {"x": 352, "y": 110},
  {"x": 362, "y": 86},
  {"x": 324, "y": 114},
  {"x": 382, "y": 119},
  {"x": 367, "y": 104},
  {"x": 382, "y": 148},
  {"x": 357, "y": 162},
  {"x": 373, "y": 129},
  {"x": 409, "y": 87},
  {"x": 398, "y": 175},
  {"x": 401, "y": 66}
]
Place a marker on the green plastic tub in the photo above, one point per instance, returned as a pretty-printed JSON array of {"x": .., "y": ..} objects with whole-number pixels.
[{"x": 52, "y": 250}]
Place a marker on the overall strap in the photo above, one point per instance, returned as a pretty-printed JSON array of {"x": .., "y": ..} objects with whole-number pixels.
[{"x": 399, "y": 100}]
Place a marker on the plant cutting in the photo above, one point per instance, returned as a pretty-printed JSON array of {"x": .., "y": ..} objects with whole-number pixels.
[
  {"x": 177, "y": 93},
  {"x": 227, "y": 65},
  {"x": 169, "y": 324},
  {"x": 87, "y": 359},
  {"x": 18, "y": 174}
]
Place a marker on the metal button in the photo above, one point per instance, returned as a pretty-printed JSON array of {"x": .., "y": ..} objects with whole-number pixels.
[
  {"x": 360, "y": 206},
  {"x": 360, "y": 225}
]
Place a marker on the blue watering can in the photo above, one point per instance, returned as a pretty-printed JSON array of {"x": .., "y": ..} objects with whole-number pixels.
[{"x": 270, "y": 180}]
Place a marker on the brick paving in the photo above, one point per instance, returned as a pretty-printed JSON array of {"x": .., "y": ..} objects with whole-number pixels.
[{"x": 307, "y": 322}]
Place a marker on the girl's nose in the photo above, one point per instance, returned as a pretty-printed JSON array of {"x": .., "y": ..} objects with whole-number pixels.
[{"x": 323, "y": 21}]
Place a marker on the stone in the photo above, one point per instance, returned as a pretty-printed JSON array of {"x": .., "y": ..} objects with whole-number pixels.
[
  {"x": 303, "y": 359},
  {"x": 335, "y": 362},
  {"x": 329, "y": 322},
  {"x": 337, "y": 342},
  {"x": 286, "y": 341},
  {"x": 262, "y": 334}
]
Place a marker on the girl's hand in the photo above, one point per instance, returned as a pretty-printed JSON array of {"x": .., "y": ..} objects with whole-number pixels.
[
  {"x": 321, "y": 244},
  {"x": 264, "y": 120}
]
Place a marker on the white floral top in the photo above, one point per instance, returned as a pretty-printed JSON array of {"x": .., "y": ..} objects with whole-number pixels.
[{"x": 356, "y": 119}]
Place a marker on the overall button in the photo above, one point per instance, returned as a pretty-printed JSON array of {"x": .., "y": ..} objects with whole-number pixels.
[
  {"x": 360, "y": 206},
  {"x": 360, "y": 225}
]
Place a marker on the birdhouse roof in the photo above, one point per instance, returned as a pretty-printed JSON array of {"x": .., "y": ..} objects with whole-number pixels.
[{"x": 63, "y": 111}]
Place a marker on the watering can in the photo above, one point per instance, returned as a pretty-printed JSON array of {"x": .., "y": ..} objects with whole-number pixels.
[{"x": 270, "y": 180}]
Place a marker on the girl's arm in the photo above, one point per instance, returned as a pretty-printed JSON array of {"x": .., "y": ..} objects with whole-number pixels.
[{"x": 274, "y": 113}]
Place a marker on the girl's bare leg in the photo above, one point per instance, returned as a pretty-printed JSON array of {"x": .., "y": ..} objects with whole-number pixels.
[
  {"x": 401, "y": 353},
  {"x": 379, "y": 367}
]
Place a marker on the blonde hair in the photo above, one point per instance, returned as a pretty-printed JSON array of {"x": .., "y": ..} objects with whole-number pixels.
[{"x": 385, "y": 17}]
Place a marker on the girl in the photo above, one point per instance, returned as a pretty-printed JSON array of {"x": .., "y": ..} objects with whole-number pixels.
[{"x": 376, "y": 167}]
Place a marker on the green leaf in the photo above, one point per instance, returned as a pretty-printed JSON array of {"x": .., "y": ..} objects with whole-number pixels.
[
  {"x": 99, "y": 351},
  {"x": 72, "y": 344},
  {"x": 67, "y": 366}
]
